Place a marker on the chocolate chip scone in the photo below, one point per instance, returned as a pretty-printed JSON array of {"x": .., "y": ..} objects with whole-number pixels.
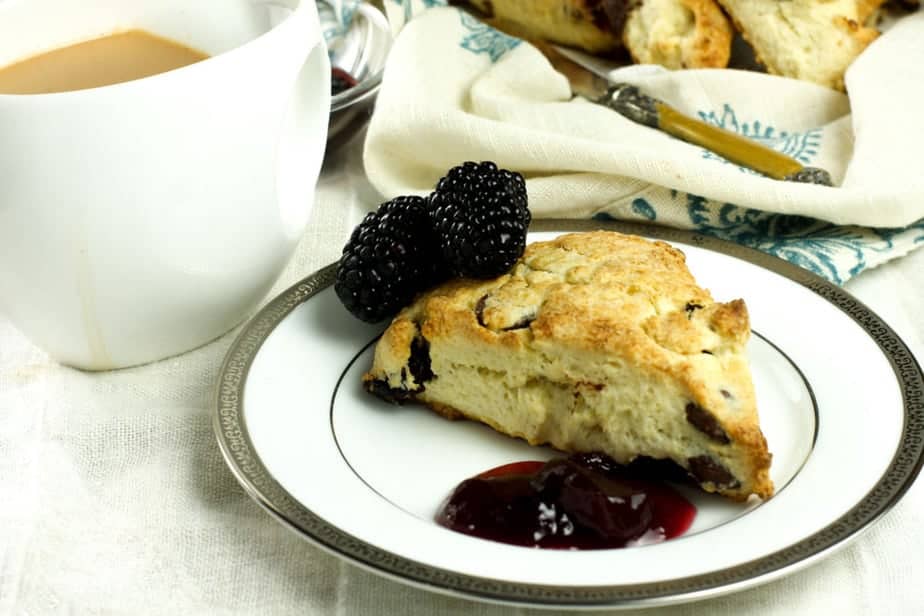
[
  {"x": 592, "y": 342},
  {"x": 673, "y": 33}
]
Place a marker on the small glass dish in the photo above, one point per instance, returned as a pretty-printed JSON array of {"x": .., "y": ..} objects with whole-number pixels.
[{"x": 361, "y": 52}]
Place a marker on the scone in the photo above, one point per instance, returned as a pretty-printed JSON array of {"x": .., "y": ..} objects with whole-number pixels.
[
  {"x": 673, "y": 33},
  {"x": 812, "y": 40},
  {"x": 593, "y": 342},
  {"x": 679, "y": 34},
  {"x": 595, "y": 27}
]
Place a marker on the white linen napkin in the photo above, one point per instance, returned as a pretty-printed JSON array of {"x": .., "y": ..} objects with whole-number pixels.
[{"x": 456, "y": 89}]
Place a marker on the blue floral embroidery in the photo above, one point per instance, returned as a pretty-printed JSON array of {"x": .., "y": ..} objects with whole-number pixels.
[
  {"x": 643, "y": 208},
  {"x": 482, "y": 38},
  {"x": 408, "y": 6},
  {"x": 834, "y": 252},
  {"x": 334, "y": 26},
  {"x": 801, "y": 146}
]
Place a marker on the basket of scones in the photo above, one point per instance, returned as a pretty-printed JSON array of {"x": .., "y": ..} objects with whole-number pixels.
[{"x": 811, "y": 40}]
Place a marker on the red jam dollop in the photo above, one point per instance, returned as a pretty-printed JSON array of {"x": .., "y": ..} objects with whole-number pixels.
[
  {"x": 583, "y": 502},
  {"x": 340, "y": 81}
]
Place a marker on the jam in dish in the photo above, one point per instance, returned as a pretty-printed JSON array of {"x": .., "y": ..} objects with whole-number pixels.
[{"x": 585, "y": 501}]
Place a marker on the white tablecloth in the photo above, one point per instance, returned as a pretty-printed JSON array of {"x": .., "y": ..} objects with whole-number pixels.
[{"x": 115, "y": 499}]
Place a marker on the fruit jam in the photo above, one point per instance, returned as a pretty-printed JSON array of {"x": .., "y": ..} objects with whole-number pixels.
[
  {"x": 340, "y": 81},
  {"x": 583, "y": 502}
]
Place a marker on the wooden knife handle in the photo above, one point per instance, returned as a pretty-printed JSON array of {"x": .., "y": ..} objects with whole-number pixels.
[{"x": 641, "y": 108}]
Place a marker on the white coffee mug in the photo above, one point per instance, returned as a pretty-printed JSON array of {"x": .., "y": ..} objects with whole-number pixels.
[{"x": 142, "y": 219}]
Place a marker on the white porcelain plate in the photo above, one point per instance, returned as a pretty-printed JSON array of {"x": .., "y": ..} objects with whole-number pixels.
[{"x": 841, "y": 401}]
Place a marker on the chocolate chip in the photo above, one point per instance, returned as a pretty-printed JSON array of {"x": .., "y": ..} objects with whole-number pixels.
[
  {"x": 659, "y": 469},
  {"x": 419, "y": 361},
  {"x": 522, "y": 323},
  {"x": 707, "y": 470},
  {"x": 381, "y": 390},
  {"x": 705, "y": 422},
  {"x": 707, "y": 352},
  {"x": 589, "y": 385},
  {"x": 610, "y": 15},
  {"x": 726, "y": 394},
  {"x": 479, "y": 310},
  {"x": 690, "y": 307}
]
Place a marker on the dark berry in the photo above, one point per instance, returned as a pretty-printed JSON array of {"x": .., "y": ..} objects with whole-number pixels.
[
  {"x": 340, "y": 80},
  {"x": 480, "y": 214},
  {"x": 391, "y": 256}
]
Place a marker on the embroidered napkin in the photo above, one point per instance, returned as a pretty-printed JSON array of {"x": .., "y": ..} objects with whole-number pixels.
[
  {"x": 456, "y": 89},
  {"x": 336, "y": 17}
]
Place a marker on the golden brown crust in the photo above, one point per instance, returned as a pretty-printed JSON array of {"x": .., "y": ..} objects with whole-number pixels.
[
  {"x": 809, "y": 40},
  {"x": 593, "y": 341},
  {"x": 673, "y": 33},
  {"x": 574, "y": 23},
  {"x": 867, "y": 8},
  {"x": 711, "y": 46},
  {"x": 679, "y": 34},
  {"x": 805, "y": 39}
]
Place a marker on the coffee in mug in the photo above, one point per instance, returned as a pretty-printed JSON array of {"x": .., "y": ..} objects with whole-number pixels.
[
  {"x": 144, "y": 218},
  {"x": 102, "y": 61}
]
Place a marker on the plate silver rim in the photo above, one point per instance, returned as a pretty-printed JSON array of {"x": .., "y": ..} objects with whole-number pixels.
[{"x": 244, "y": 462}]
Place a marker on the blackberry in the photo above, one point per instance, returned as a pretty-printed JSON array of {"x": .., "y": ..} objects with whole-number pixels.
[
  {"x": 481, "y": 215},
  {"x": 392, "y": 254}
]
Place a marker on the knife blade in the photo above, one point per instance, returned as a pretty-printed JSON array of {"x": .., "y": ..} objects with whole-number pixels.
[{"x": 632, "y": 103}]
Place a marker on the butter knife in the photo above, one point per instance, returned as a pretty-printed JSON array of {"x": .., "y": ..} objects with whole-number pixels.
[{"x": 631, "y": 102}]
